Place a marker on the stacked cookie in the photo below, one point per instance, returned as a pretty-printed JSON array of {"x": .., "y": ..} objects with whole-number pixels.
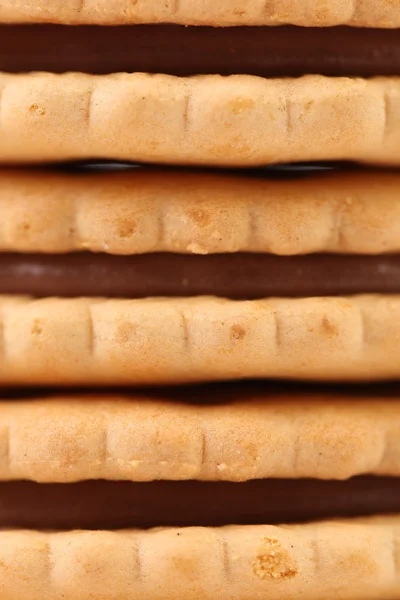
[{"x": 116, "y": 277}]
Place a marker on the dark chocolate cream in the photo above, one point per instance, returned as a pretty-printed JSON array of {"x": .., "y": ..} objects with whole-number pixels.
[
  {"x": 114, "y": 505},
  {"x": 178, "y": 50},
  {"x": 220, "y": 392},
  {"x": 237, "y": 276}
]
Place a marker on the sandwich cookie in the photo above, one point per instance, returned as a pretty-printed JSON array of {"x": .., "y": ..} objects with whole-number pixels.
[
  {"x": 311, "y": 315},
  {"x": 77, "y": 450},
  {"x": 108, "y": 297}
]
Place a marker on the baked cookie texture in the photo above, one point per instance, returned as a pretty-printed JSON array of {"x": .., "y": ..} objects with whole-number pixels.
[
  {"x": 351, "y": 560},
  {"x": 203, "y": 120},
  {"x": 172, "y": 340},
  {"x": 237, "y": 121},
  {"x": 145, "y": 438},
  {"x": 145, "y": 210},
  {"x": 314, "y": 13}
]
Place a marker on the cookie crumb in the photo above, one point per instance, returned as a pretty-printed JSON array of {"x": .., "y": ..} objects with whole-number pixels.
[{"x": 273, "y": 561}]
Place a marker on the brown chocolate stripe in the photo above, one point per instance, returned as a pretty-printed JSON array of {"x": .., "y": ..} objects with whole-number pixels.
[
  {"x": 114, "y": 505},
  {"x": 235, "y": 276},
  {"x": 178, "y": 50},
  {"x": 218, "y": 393}
]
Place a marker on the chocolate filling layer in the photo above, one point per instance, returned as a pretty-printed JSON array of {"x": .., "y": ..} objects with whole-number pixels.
[
  {"x": 114, "y": 505},
  {"x": 219, "y": 393},
  {"x": 178, "y": 50},
  {"x": 236, "y": 276}
]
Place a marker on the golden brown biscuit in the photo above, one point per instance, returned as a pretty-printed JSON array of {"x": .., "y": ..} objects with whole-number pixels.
[
  {"x": 359, "y": 13},
  {"x": 351, "y": 560},
  {"x": 173, "y": 340},
  {"x": 138, "y": 438},
  {"x": 139, "y": 211},
  {"x": 204, "y": 120}
]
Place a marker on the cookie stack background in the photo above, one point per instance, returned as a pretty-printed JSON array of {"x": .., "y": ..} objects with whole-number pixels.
[{"x": 195, "y": 283}]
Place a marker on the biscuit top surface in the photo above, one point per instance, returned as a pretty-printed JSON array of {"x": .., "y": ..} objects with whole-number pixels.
[{"x": 360, "y": 13}]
